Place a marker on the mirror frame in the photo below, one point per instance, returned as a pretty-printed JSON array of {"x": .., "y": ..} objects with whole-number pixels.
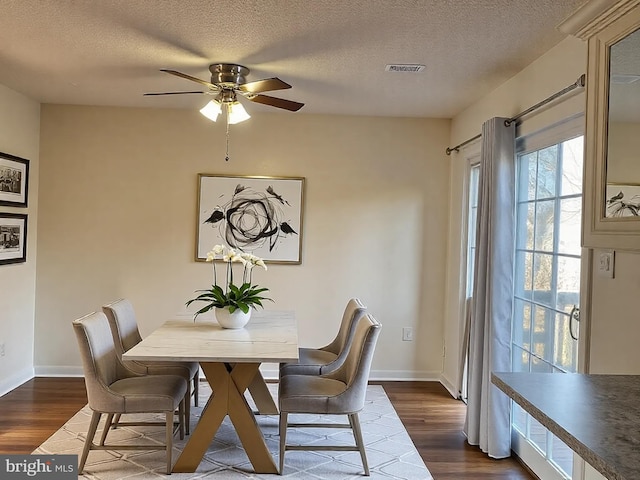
[{"x": 598, "y": 230}]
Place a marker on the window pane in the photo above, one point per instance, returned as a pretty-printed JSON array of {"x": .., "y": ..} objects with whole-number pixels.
[
  {"x": 542, "y": 279},
  {"x": 520, "y": 360},
  {"x": 540, "y": 337},
  {"x": 547, "y": 172},
  {"x": 519, "y": 418},
  {"x": 473, "y": 219},
  {"x": 540, "y": 366},
  {"x": 561, "y": 455},
  {"x": 524, "y": 233},
  {"x": 527, "y": 186},
  {"x": 570, "y": 226},
  {"x": 565, "y": 347},
  {"x": 572, "y": 156},
  {"x": 473, "y": 185},
  {"x": 568, "y": 288},
  {"x": 471, "y": 264},
  {"x": 524, "y": 272},
  {"x": 522, "y": 324},
  {"x": 538, "y": 435},
  {"x": 544, "y": 226}
]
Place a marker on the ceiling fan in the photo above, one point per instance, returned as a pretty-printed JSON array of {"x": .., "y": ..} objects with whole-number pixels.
[{"x": 228, "y": 80}]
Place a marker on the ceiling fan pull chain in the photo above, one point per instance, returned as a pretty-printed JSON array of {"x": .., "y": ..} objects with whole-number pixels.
[{"x": 226, "y": 158}]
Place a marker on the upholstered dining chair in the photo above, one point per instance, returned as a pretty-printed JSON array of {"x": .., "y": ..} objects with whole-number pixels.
[
  {"x": 113, "y": 389},
  {"x": 124, "y": 329},
  {"x": 341, "y": 392},
  {"x": 315, "y": 361}
]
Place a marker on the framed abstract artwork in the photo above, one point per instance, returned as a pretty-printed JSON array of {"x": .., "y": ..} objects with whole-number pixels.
[
  {"x": 622, "y": 200},
  {"x": 258, "y": 215},
  {"x": 13, "y": 238},
  {"x": 14, "y": 180}
]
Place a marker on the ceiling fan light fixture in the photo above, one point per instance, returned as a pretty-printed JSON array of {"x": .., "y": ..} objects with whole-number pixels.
[
  {"x": 211, "y": 110},
  {"x": 236, "y": 113}
]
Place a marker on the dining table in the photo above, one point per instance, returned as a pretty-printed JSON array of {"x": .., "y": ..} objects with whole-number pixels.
[{"x": 230, "y": 360}]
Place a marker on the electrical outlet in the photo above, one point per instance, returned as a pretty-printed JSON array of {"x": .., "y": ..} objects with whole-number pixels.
[
  {"x": 407, "y": 334},
  {"x": 2, "y": 349}
]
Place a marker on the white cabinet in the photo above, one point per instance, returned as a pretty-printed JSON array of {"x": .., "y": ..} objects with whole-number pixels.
[{"x": 612, "y": 159}]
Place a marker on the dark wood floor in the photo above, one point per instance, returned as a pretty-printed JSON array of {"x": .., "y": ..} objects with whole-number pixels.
[{"x": 33, "y": 411}]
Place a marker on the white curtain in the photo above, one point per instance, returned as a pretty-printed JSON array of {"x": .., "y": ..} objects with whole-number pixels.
[{"x": 488, "y": 421}]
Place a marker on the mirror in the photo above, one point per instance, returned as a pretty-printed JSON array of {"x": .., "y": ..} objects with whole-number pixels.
[{"x": 622, "y": 196}]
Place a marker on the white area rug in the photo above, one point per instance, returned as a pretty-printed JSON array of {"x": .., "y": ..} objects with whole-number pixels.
[{"x": 390, "y": 451}]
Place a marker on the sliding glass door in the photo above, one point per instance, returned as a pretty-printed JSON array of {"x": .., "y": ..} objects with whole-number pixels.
[{"x": 547, "y": 287}]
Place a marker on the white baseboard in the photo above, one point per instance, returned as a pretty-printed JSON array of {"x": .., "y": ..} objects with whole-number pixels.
[
  {"x": 403, "y": 375},
  {"x": 269, "y": 372},
  {"x": 453, "y": 391},
  {"x": 15, "y": 380},
  {"x": 58, "y": 371}
]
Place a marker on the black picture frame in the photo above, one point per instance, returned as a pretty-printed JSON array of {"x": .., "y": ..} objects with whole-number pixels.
[
  {"x": 13, "y": 238},
  {"x": 14, "y": 180}
]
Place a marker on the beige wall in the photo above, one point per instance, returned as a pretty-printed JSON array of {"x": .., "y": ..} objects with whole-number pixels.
[
  {"x": 118, "y": 201},
  {"x": 19, "y": 135},
  {"x": 615, "y": 329}
]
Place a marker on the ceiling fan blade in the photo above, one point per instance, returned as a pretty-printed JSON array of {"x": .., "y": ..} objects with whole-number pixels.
[
  {"x": 265, "y": 85},
  {"x": 277, "y": 102},
  {"x": 171, "y": 93},
  {"x": 193, "y": 79}
]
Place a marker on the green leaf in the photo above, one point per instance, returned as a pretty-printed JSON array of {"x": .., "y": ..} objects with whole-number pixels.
[
  {"x": 243, "y": 306},
  {"x": 243, "y": 297}
]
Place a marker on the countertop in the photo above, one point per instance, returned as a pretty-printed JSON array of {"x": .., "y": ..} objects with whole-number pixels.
[{"x": 597, "y": 416}]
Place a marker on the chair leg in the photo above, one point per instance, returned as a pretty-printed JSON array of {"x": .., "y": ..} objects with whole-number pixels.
[
  {"x": 357, "y": 433},
  {"x": 181, "y": 419},
  {"x": 93, "y": 426},
  {"x": 107, "y": 426},
  {"x": 169, "y": 440},
  {"x": 187, "y": 408},
  {"x": 116, "y": 421},
  {"x": 283, "y": 438},
  {"x": 196, "y": 388}
]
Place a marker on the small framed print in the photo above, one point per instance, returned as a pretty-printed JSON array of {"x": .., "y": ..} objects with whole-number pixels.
[
  {"x": 258, "y": 215},
  {"x": 13, "y": 238},
  {"x": 14, "y": 180}
]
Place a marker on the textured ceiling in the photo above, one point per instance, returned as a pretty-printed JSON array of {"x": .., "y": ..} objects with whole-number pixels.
[{"x": 333, "y": 52}]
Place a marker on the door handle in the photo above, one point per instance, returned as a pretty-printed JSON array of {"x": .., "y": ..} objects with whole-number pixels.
[{"x": 574, "y": 315}]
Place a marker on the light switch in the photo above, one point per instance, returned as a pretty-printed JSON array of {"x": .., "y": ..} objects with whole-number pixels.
[{"x": 606, "y": 264}]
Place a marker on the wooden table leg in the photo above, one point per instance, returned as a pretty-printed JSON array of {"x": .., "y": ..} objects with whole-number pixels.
[
  {"x": 228, "y": 399},
  {"x": 244, "y": 421},
  {"x": 211, "y": 418},
  {"x": 261, "y": 395}
]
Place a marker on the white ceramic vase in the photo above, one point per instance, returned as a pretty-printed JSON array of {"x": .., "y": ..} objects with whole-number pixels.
[{"x": 237, "y": 319}]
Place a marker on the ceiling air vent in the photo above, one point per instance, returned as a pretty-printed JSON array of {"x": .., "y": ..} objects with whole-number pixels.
[{"x": 405, "y": 67}]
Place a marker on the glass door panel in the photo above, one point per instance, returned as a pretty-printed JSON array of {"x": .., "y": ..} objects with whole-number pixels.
[{"x": 547, "y": 282}]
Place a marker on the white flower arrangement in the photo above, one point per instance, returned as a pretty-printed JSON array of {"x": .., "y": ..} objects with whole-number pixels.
[{"x": 232, "y": 296}]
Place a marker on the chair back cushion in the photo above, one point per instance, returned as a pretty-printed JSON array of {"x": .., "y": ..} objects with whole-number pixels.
[
  {"x": 100, "y": 362},
  {"x": 123, "y": 323},
  {"x": 354, "y": 372},
  {"x": 340, "y": 345}
]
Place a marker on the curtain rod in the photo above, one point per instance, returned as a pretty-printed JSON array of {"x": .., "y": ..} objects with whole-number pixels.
[{"x": 580, "y": 83}]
